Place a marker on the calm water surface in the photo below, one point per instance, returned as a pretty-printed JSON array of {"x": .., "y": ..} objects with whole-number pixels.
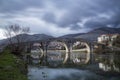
[{"x": 102, "y": 67}]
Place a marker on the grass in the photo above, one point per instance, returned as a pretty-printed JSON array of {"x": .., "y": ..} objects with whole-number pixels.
[{"x": 11, "y": 67}]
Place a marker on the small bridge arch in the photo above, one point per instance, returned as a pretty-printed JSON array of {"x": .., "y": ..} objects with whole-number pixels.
[{"x": 37, "y": 48}]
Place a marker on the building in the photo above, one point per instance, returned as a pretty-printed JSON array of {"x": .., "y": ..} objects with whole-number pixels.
[
  {"x": 37, "y": 44},
  {"x": 56, "y": 46},
  {"x": 107, "y": 38}
]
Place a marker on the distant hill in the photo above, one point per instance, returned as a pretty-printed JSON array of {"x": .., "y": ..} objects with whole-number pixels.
[
  {"x": 71, "y": 35},
  {"x": 35, "y": 37},
  {"x": 92, "y": 35},
  {"x": 105, "y": 30},
  {"x": 27, "y": 37}
]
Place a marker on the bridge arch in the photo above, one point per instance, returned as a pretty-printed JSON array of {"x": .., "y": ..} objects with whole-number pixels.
[
  {"x": 88, "y": 52},
  {"x": 62, "y": 43},
  {"x": 87, "y": 48},
  {"x": 36, "y": 48}
]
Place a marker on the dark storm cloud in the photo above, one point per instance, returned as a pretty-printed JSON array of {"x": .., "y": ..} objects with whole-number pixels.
[
  {"x": 99, "y": 7},
  {"x": 76, "y": 10},
  {"x": 72, "y": 15},
  {"x": 49, "y": 17},
  {"x": 112, "y": 9},
  {"x": 80, "y": 9},
  {"x": 9, "y": 6}
]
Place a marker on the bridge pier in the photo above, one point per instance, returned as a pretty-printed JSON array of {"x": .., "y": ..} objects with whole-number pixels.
[
  {"x": 28, "y": 47},
  {"x": 68, "y": 52},
  {"x": 91, "y": 54},
  {"x": 44, "y": 45}
]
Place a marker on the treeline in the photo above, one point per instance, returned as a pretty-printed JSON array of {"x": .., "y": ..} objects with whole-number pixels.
[{"x": 15, "y": 37}]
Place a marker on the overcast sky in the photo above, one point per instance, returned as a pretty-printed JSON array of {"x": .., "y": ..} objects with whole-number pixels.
[{"x": 59, "y": 17}]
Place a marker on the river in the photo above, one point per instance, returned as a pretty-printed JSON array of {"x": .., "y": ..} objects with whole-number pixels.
[{"x": 102, "y": 67}]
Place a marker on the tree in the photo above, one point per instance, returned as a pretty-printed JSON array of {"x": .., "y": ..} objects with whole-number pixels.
[
  {"x": 117, "y": 41},
  {"x": 15, "y": 37}
]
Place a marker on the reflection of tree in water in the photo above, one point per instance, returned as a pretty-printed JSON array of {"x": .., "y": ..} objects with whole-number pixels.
[
  {"x": 117, "y": 60},
  {"x": 116, "y": 42},
  {"x": 62, "y": 54}
]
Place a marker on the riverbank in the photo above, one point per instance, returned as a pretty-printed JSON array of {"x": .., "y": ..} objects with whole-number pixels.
[{"x": 12, "y": 67}]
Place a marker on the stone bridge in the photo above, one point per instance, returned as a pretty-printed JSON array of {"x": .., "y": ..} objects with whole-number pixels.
[{"x": 68, "y": 44}]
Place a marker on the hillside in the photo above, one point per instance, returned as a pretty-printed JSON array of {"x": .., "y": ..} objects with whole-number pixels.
[
  {"x": 92, "y": 35},
  {"x": 27, "y": 37}
]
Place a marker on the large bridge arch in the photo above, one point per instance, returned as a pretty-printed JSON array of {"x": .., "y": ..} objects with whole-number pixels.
[
  {"x": 87, "y": 48},
  {"x": 63, "y": 43}
]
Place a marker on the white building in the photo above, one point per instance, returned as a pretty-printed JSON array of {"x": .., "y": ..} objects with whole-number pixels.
[
  {"x": 107, "y": 37},
  {"x": 37, "y": 44}
]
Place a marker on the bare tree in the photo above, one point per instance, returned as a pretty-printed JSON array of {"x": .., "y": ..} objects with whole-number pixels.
[{"x": 15, "y": 37}]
